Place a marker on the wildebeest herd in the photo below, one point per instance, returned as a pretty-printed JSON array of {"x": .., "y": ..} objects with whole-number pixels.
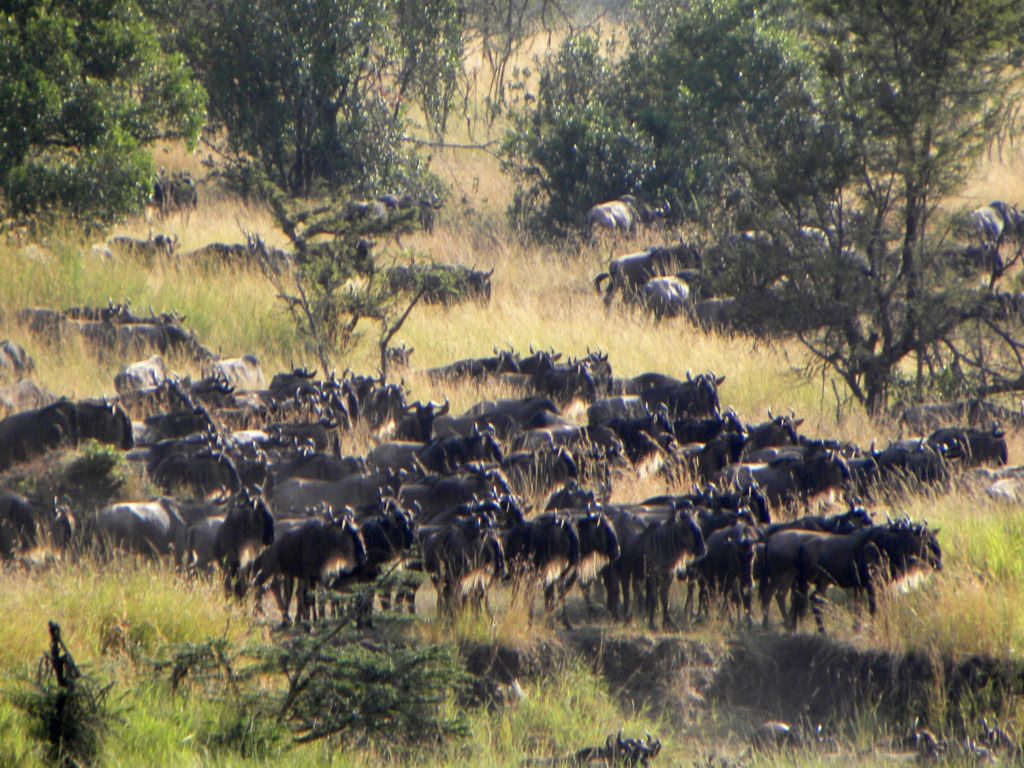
[{"x": 257, "y": 483}]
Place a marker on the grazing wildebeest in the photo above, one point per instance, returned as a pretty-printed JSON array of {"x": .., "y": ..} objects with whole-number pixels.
[
  {"x": 912, "y": 460},
  {"x": 923, "y": 418},
  {"x": 477, "y": 368},
  {"x": 389, "y": 535},
  {"x": 862, "y": 561},
  {"x": 620, "y": 407},
  {"x": 599, "y": 548},
  {"x": 539, "y": 470},
  {"x": 248, "y": 526},
  {"x": 654, "y": 557},
  {"x": 155, "y": 245},
  {"x": 27, "y": 526},
  {"x": 145, "y": 374},
  {"x": 462, "y": 559},
  {"x": 298, "y": 494},
  {"x": 15, "y": 362},
  {"x": 623, "y": 215},
  {"x": 434, "y": 494},
  {"x": 240, "y": 373},
  {"x": 317, "y": 466},
  {"x": 316, "y": 554}
]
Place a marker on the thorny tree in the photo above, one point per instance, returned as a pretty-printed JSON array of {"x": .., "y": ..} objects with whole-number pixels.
[{"x": 901, "y": 100}]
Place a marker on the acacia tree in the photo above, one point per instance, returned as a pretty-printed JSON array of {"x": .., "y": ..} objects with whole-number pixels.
[
  {"x": 315, "y": 91},
  {"x": 85, "y": 88},
  {"x": 908, "y": 95}
]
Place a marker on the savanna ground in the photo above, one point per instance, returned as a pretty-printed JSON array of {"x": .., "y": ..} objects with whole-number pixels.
[{"x": 118, "y": 618}]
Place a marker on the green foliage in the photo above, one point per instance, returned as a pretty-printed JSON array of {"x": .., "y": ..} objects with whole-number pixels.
[
  {"x": 86, "y": 87},
  {"x": 314, "y": 91},
  {"x": 576, "y": 147}
]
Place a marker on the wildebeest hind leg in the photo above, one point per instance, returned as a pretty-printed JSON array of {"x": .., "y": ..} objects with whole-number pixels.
[{"x": 666, "y": 617}]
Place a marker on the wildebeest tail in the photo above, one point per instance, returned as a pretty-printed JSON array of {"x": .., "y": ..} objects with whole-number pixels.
[{"x": 600, "y": 279}]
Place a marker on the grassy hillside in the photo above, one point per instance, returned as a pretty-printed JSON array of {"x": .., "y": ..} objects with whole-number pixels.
[{"x": 119, "y": 618}]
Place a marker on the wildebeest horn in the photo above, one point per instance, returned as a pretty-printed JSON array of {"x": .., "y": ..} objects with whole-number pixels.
[{"x": 689, "y": 375}]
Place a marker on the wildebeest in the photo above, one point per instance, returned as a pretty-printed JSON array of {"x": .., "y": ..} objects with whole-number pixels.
[
  {"x": 726, "y": 571},
  {"x": 862, "y": 561},
  {"x": 28, "y": 526},
  {"x": 463, "y": 559},
  {"x": 248, "y": 526},
  {"x": 15, "y": 362},
  {"x": 972, "y": 447},
  {"x": 241, "y": 373},
  {"x": 418, "y": 423},
  {"x": 151, "y": 528},
  {"x": 154, "y": 245},
  {"x": 204, "y": 473},
  {"x": 445, "y": 455},
  {"x": 653, "y": 558},
  {"x": 545, "y": 550},
  {"x": 666, "y": 296},
  {"x": 630, "y": 273},
  {"x": 996, "y": 222},
  {"x": 317, "y": 553},
  {"x": 175, "y": 192},
  {"x": 789, "y": 478},
  {"x": 144, "y": 374},
  {"x": 923, "y": 418},
  {"x": 477, "y": 368},
  {"x": 26, "y": 435},
  {"x": 697, "y": 396},
  {"x": 623, "y": 215}
]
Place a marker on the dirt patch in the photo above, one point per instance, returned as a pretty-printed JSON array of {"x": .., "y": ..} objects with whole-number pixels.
[
  {"x": 665, "y": 674},
  {"x": 815, "y": 679}
]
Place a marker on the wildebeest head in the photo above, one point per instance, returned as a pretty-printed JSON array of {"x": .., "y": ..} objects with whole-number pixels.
[
  {"x": 346, "y": 524},
  {"x": 597, "y": 536},
  {"x": 571, "y": 496},
  {"x": 778, "y": 430},
  {"x": 822, "y": 469},
  {"x": 257, "y": 515},
  {"x": 908, "y": 546},
  {"x": 105, "y": 422}
]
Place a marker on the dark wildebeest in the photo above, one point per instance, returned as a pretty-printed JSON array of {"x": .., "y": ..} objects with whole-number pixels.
[
  {"x": 862, "y": 561},
  {"x": 693, "y": 397},
  {"x": 418, "y": 424},
  {"x": 620, "y": 407},
  {"x": 445, "y": 455},
  {"x": 623, "y": 215},
  {"x": 15, "y": 362},
  {"x": 317, "y": 466},
  {"x": 790, "y": 478},
  {"x": 316, "y": 554},
  {"x": 539, "y": 470},
  {"x": 629, "y": 274},
  {"x": 726, "y": 571},
  {"x": 175, "y": 192},
  {"x": 26, "y": 435},
  {"x": 997, "y": 222},
  {"x": 205, "y": 473},
  {"x": 297, "y": 495},
  {"x": 599, "y": 549},
  {"x": 435, "y": 494},
  {"x": 974, "y": 413},
  {"x": 28, "y": 527},
  {"x": 477, "y": 368},
  {"x": 972, "y": 447},
  {"x": 545, "y": 551},
  {"x": 655, "y": 557},
  {"x": 462, "y": 559},
  {"x": 389, "y": 535},
  {"x": 912, "y": 460},
  {"x": 155, "y": 245},
  {"x": 248, "y": 526}
]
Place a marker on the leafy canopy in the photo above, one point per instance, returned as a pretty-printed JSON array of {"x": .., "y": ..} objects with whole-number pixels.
[{"x": 85, "y": 88}]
